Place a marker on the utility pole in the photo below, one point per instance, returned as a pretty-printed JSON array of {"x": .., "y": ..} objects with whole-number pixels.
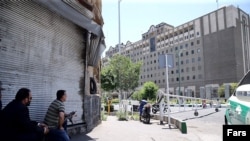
[
  {"x": 217, "y": 1},
  {"x": 119, "y": 26}
]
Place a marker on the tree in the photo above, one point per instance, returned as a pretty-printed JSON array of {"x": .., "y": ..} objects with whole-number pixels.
[
  {"x": 221, "y": 90},
  {"x": 107, "y": 79},
  {"x": 233, "y": 87},
  {"x": 137, "y": 95},
  {"x": 122, "y": 74},
  {"x": 149, "y": 90}
]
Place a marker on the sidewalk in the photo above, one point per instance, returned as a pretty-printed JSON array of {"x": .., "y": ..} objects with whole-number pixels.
[
  {"x": 201, "y": 128},
  {"x": 114, "y": 130},
  {"x": 98, "y": 132}
]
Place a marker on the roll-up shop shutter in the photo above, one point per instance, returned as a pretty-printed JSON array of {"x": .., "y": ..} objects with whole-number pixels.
[{"x": 42, "y": 51}]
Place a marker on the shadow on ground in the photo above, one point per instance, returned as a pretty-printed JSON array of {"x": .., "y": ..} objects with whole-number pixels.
[{"x": 82, "y": 137}]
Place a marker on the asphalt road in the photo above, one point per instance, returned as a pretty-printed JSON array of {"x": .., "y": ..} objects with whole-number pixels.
[{"x": 207, "y": 126}]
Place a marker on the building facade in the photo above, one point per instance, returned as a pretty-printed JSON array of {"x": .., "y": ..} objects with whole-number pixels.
[
  {"x": 51, "y": 45},
  {"x": 208, "y": 51}
]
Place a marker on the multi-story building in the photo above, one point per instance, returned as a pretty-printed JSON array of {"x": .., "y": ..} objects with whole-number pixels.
[{"x": 208, "y": 51}]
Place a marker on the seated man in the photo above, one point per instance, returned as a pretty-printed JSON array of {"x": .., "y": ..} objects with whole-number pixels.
[
  {"x": 55, "y": 118},
  {"x": 15, "y": 120}
]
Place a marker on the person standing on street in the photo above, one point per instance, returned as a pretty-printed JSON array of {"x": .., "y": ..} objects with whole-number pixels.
[
  {"x": 55, "y": 118},
  {"x": 142, "y": 103},
  {"x": 15, "y": 120}
]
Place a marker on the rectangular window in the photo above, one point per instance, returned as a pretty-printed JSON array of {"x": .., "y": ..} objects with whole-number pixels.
[
  {"x": 198, "y": 50},
  {"x": 152, "y": 44},
  {"x": 193, "y": 68},
  {"x": 199, "y": 58},
  {"x": 200, "y": 76},
  {"x": 194, "y": 77}
]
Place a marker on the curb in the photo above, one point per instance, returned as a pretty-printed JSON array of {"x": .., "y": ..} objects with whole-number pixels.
[{"x": 180, "y": 124}]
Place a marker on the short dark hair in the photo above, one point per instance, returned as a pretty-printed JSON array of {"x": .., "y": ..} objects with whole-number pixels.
[
  {"x": 60, "y": 94},
  {"x": 22, "y": 94}
]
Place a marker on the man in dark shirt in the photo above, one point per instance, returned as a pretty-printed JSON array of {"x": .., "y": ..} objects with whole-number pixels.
[{"x": 15, "y": 120}]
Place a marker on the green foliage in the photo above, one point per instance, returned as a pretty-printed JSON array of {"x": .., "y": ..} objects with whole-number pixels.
[
  {"x": 149, "y": 90},
  {"x": 137, "y": 95},
  {"x": 116, "y": 100},
  {"x": 221, "y": 90},
  {"x": 105, "y": 98},
  {"x": 121, "y": 115},
  {"x": 107, "y": 79},
  {"x": 135, "y": 116},
  {"x": 103, "y": 116},
  {"x": 120, "y": 74},
  {"x": 233, "y": 87}
]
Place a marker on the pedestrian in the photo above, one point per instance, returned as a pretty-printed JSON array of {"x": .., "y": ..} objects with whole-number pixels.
[
  {"x": 211, "y": 104},
  {"x": 142, "y": 103},
  {"x": 55, "y": 118},
  {"x": 15, "y": 120}
]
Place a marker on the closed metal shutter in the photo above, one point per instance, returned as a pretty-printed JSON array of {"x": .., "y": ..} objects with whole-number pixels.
[{"x": 41, "y": 51}]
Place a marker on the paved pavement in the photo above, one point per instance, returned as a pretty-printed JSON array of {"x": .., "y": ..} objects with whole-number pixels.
[{"x": 207, "y": 126}]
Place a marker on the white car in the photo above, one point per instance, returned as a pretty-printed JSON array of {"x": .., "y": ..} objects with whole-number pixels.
[{"x": 238, "y": 105}]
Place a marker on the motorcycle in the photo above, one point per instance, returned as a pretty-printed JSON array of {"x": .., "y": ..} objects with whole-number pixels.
[
  {"x": 145, "y": 116},
  {"x": 156, "y": 108}
]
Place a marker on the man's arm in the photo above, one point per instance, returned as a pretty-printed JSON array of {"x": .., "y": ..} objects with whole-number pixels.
[{"x": 61, "y": 120}]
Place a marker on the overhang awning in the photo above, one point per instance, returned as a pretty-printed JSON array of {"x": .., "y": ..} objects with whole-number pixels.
[{"x": 66, "y": 11}]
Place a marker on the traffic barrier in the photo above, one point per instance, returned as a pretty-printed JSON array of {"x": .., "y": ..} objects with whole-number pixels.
[{"x": 180, "y": 124}]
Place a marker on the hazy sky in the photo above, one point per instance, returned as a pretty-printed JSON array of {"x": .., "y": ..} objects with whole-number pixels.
[{"x": 136, "y": 16}]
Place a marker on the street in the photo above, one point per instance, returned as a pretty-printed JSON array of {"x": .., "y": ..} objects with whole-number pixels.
[{"x": 207, "y": 126}]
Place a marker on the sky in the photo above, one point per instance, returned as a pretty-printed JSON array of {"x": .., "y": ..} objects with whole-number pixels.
[{"x": 136, "y": 16}]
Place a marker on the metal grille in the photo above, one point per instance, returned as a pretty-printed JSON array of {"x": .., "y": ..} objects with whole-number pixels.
[{"x": 41, "y": 51}]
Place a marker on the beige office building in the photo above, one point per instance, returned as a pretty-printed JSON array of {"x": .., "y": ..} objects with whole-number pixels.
[{"x": 208, "y": 51}]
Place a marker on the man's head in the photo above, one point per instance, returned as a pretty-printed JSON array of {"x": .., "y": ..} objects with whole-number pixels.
[
  {"x": 24, "y": 95},
  {"x": 61, "y": 95}
]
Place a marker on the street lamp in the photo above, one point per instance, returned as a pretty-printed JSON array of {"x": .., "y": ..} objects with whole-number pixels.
[
  {"x": 119, "y": 32},
  {"x": 119, "y": 25}
]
